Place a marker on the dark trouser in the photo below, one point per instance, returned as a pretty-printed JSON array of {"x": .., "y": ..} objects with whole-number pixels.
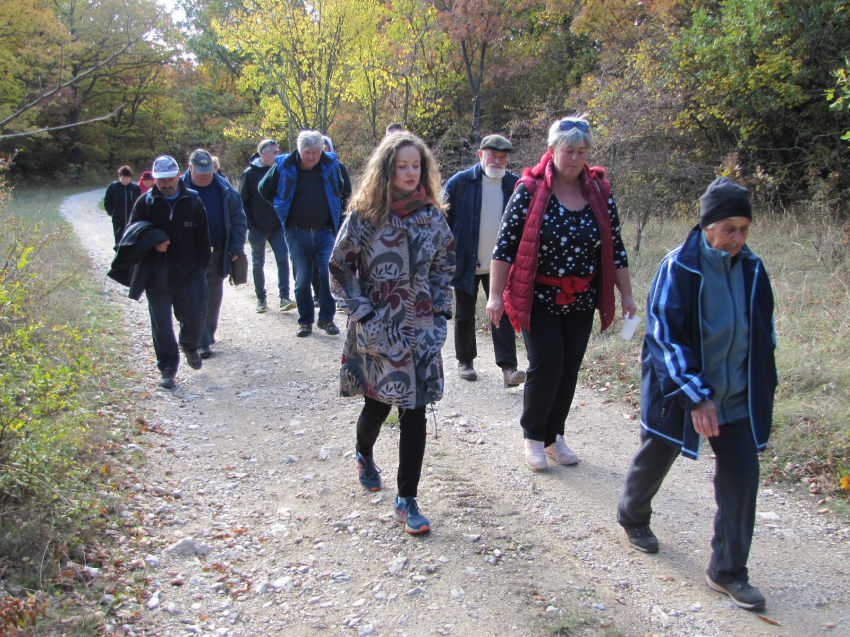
[
  {"x": 189, "y": 301},
  {"x": 736, "y": 482},
  {"x": 411, "y": 446},
  {"x": 119, "y": 224},
  {"x": 277, "y": 239},
  {"x": 215, "y": 291},
  {"x": 314, "y": 282},
  {"x": 555, "y": 346},
  {"x": 504, "y": 336},
  {"x": 305, "y": 248}
]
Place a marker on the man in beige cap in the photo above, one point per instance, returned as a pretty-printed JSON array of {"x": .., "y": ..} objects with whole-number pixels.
[{"x": 476, "y": 201}]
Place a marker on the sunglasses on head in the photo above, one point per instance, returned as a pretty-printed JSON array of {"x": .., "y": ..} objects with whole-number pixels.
[
  {"x": 267, "y": 144},
  {"x": 569, "y": 124}
]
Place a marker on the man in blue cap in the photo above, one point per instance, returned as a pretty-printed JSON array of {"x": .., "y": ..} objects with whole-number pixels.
[
  {"x": 708, "y": 369},
  {"x": 227, "y": 226},
  {"x": 179, "y": 212}
]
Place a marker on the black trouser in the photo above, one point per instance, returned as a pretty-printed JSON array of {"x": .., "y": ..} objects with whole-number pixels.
[
  {"x": 119, "y": 224},
  {"x": 188, "y": 298},
  {"x": 504, "y": 336},
  {"x": 411, "y": 446},
  {"x": 215, "y": 292},
  {"x": 555, "y": 345},
  {"x": 736, "y": 482}
]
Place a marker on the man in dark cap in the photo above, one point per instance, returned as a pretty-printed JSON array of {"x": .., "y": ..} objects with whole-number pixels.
[
  {"x": 227, "y": 228},
  {"x": 708, "y": 369},
  {"x": 476, "y": 201}
]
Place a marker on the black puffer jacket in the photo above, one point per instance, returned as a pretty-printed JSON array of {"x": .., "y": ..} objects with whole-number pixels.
[{"x": 260, "y": 213}]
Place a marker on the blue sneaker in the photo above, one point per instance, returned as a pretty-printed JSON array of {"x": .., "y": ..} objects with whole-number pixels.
[
  {"x": 369, "y": 474},
  {"x": 407, "y": 511}
]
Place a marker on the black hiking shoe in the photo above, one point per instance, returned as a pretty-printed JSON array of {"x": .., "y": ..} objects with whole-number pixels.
[
  {"x": 642, "y": 538},
  {"x": 741, "y": 593}
]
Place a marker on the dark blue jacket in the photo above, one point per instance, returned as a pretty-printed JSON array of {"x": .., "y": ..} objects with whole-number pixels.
[
  {"x": 235, "y": 222},
  {"x": 672, "y": 381},
  {"x": 278, "y": 186},
  {"x": 463, "y": 194}
]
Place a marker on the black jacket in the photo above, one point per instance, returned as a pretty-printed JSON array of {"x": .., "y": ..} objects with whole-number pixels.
[
  {"x": 184, "y": 221},
  {"x": 119, "y": 199},
  {"x": 136, "y": 264},
  {"x": 463, "y": 195},
  {"x": 260, "y": 213}
]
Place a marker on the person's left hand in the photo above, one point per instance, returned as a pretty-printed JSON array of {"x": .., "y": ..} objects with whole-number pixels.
[
  {"x": 627, "y": 302},
  {"x": 233, "y": 257}
]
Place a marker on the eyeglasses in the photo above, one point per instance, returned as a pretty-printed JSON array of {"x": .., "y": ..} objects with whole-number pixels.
[{"x": 569, "y": 124}]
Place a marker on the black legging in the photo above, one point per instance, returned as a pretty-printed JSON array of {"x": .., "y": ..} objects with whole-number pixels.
[
  {"x": 411, "y": 446},
  {"x": 555, "y": 346}
]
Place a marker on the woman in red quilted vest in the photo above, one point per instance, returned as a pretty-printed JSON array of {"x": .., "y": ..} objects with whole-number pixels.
[{"x": 558, "y": 257}]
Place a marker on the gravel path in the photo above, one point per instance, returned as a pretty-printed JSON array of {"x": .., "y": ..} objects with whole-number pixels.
[{"x": 250, "y": 519}]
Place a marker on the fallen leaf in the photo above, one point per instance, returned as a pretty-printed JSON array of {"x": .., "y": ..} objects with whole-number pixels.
[{"x": 768, "y": 620}]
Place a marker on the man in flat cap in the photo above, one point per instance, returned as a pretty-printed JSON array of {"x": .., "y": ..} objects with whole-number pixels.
[
  {"x": 179, "y": 212},
  {"x": 476, "y": 201},
  {"x": 228, "y": 227},
  {"x": 708, "y": 370}
]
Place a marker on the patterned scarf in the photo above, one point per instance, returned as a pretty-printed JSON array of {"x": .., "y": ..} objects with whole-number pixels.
[{"x": 405, "y": 203}]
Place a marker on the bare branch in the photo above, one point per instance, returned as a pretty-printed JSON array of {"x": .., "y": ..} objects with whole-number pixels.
[{"x": 52, "y": 128}]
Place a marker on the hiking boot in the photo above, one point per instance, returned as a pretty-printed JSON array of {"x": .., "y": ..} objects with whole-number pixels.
[
  {"x": 261, "y": 306},
  {"x": 368, "y": 473},
  {"x": 741, "y": 593},
  {"x": 535, "y": 457},
  {"x": 561, "y": 453},
  {"x": 642, "y": 538},
  {"x": 466, "y": 371},
  {"x": 286, "y": 304},
  {"x": 193, "y": 358},
  {"x": 407, "y": 511},
  {"x": 513, "y": 376},
  {"x": 304, "y": 329},
  {"x": 166, "y": 378},
  {"x": 205, "y": 352},
  {"x": 329, "y": 327}
]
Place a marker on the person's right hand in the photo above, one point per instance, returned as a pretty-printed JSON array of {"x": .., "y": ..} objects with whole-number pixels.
[
  {"x": 162, "y": 247},
  {"x": 705, "y": 419},
  {"x": 495, "y": 309}
]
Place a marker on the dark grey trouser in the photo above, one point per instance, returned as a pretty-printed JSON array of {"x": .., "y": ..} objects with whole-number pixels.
[
  {"x": 215, "y": 287},
  {"x": 188, "y": 302},
  {"x": 736, "y": 482}
]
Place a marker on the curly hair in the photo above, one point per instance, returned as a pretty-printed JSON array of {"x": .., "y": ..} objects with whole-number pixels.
[{"x": 373, "y": 197}]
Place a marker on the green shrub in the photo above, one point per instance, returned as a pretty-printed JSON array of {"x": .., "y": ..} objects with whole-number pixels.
[{"x": 41, "y": 367}]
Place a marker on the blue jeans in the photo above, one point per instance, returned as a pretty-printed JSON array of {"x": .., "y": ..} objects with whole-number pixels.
[
  {"x": 277, "y": 239},
  {"x": 305, "y": 248}
]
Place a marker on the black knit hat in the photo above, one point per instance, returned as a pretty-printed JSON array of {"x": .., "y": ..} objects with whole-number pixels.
[{"x": 723, "y": 199}]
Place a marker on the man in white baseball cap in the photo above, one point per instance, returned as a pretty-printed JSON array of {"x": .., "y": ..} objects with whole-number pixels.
[{"x": 179, "y": 212}]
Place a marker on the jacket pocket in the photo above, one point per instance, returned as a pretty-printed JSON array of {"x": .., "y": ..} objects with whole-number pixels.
[{"x": 372, "y": 336}]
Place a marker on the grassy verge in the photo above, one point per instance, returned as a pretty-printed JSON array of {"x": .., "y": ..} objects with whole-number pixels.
[
  {"x": 61, "y": 418},
  {"x": 807, "y": 258}
]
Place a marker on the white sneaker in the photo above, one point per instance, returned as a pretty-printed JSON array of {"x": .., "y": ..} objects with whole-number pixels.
[
  {"x": 561, "y": 453},
  {"x": 534, "y": 456}
]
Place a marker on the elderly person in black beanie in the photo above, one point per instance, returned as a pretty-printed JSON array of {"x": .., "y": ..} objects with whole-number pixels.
[{"x": 708, "y": 370}]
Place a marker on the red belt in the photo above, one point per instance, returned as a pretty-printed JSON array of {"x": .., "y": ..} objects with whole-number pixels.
[{"x": 570, "y": 286}]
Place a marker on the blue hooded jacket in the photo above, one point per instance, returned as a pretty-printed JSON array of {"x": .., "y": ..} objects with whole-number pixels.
[{"x": 672, "y": 379}]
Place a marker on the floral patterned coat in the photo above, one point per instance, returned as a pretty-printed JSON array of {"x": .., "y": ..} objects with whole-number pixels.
[{"x": 395, "y": 276}]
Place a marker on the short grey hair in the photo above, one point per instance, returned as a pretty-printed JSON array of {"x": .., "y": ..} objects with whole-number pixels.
[
  {"x": 310, "y": 139},
  {"x": 572, "y": 137}
]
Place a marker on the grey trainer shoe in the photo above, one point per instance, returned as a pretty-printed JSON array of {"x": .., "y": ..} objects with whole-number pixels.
[{"x": 466, "y": 371}]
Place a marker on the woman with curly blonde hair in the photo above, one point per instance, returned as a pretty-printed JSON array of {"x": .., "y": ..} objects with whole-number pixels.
[{"x": 392, "y": 264}]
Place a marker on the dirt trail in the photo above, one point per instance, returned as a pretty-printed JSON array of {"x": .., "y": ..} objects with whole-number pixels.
[{"x": 279, "y": 541}]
